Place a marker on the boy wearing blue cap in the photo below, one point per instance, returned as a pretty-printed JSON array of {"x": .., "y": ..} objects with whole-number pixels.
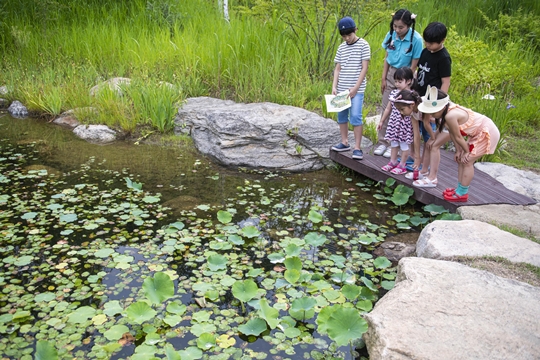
[{"x": 352, "y": 60}]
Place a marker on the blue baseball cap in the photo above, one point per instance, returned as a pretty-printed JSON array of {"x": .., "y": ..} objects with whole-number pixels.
[{"x": 346, "y": 23}]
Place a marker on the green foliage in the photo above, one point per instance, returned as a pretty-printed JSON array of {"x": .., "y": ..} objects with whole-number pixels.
[
  {"x": 522, "y": 27},
  {"x": 45, "y": 351},
  {"x": 159, "y": 288}
]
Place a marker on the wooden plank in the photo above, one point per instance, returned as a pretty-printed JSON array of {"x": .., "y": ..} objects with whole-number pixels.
[{"x": 484, "y": 189}]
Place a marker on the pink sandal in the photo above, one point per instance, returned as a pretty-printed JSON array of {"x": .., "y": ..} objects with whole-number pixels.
[
  {"x": 389, "y": 166},
  {"x": 398, "y": 170}
]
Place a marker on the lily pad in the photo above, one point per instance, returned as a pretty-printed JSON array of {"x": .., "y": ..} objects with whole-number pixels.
[
  {"x": 140, "y": 312},
  {"x": 45, "y": 351},
  {"x": 245, "y": 290},
  {"x": 253, "y": 327},
  {"x": 159, "y": 288},
  {"x": 116, "y": 332}
]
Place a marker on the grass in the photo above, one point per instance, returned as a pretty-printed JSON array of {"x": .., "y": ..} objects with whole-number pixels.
[
  {"x": 523, "y": 151},
  {"x": 502, "y": 267},
  {"x": 518, "y": 232},
  {"x": 52, "y": 53}
]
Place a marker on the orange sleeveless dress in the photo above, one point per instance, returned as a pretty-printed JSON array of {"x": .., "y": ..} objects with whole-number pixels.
[{"x": 481, "y": 132}]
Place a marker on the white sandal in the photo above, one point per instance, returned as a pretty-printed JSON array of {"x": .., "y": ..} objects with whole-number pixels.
[
  {"x": 425, "y": 183},
  {"x": 420, "y": 176}
]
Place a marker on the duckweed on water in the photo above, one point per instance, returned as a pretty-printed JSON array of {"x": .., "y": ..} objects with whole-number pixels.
[{"x": 99, "y": 269}]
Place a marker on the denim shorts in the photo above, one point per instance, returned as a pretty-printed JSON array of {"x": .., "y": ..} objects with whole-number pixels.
[
  {"x": 423, "y": 131},
  {"x": 354, "y": 113}
]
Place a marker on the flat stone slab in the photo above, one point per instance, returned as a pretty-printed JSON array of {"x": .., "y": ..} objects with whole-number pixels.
[
  {"x": 443, "y": 239},
  {"x": 525, "y": 218},
  {"x": 445, "y": 310}
]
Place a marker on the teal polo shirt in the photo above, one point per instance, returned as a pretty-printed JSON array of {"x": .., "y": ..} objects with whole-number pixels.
[{"x": 397, "y": 57}]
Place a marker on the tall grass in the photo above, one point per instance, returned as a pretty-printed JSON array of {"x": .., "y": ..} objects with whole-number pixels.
[{"x": 53, "y": 52}]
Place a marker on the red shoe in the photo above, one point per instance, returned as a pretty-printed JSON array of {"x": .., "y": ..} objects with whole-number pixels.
[
  {"x": 455, "y": 197},
  {"x": 449, "y": 191}
]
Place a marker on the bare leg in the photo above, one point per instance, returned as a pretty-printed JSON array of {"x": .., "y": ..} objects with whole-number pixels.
[
  {"x": 404, "y": 157},
  {"x": 344, "y": 131},
  {"x": 466, "y": 171},
  {"x": 435, "y": 154},
  {"x": 394, "y": 155},
  {"x": 358, "y": 136}
]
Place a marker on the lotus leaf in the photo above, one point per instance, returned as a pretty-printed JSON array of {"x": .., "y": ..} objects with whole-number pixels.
[
  {"x": 224, "y": 217},
  {"x": 399, "y": 199},
  {"x": 112, "y": 308},
  {"x": 172, "y": 320},
  {"x": 217, "y": 262},
  {"x": 292, "y": 332},
  {"x": 292, "y": 276},
  {"x": 364, "y": 305},
  {"x": 315, "y": 239},
  {"x": 116, "y": 332},
  {"x": 293, "y": 263},
  {"x": 29, "y": 215},
  {"x": 345, "y": 325},
  {"x": 45, "y": 351},
  {"x": 150, "y": 199},
  {"x": 140, "y": 312},
  {"x": 351, "y": 292},
  {"x": 268, "y": 313},
  {"x": 254, "y": 272},
  {"x": 369, "y": 284},
  {"x": 23, "y": 260},
  {"x": 206, "y": 341},
  {"x": 176, "y": 308},
  {"x": 387, "y": 285},
  {"x": 276, "y": 258},
  {"x": 253, "y": 327},
  {"x": 250, "y": 231},
  {"x": 382, "y": 262},
  {"x": 224, "y": 341},
  {"x": 159, "y": 288},
  {"x": 191, "y": 353},
  {"x": 133, "y": 185},
  {"x": 314, "y": 216},
  {"x": 103, "y": 253},
  {"x": 67, "y": 218},
  {"x": 81, "y": 315},
  {"x": 401, "y": 217},
  {"x": 417, "y": 220},
  {"x": 201, "y": 316},
  {"x": 244, "y": 290},
  {"x": 153, "y": 338},
  {"x": 201, "y": 328},
  {"x": 144, "y": 352},
  {"x": 171, "y": 353},
  {"x": 236, "y": 240},
  {"x": 435, "y": 209}
]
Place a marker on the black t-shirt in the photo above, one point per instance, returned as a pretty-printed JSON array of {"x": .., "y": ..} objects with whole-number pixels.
[{"x": 432, "y": 67}]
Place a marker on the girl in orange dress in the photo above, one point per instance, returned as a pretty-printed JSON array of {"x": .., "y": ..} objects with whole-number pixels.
[{"x": 481, "y": 132}]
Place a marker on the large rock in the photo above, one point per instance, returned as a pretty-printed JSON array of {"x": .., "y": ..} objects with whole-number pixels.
[
  {"x": 445, "y": 239},
  {"x": 524, "y": 218},
  {"x": 520, "y": 181},
  {"x": 98, "y": 134},
  {"x": 17, "y": 109},
  {"x": 261, "y": 135},
  {"x": 445, "y": 310}
]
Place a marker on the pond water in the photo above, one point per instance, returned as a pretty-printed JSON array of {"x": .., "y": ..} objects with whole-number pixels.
[{"x": 146, "y": 251}]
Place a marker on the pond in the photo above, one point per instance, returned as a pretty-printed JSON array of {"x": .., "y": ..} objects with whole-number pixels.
[{"x": 147, "y": 251}]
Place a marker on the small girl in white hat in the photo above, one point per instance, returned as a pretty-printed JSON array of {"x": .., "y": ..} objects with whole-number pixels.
[{"x": 481, "y": 132}]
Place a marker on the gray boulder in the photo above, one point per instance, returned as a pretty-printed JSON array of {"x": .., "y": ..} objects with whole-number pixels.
[
  {"x": 445, "y": 239},
  {"x": 98, "y": 134},
  {"x": 260, "y": 135},
  {"x": 520, "y": 181},
  {"x": 525, "y": 218},
  {"x": 445, "y": 310},
  {"x": 17, "y": 109}
]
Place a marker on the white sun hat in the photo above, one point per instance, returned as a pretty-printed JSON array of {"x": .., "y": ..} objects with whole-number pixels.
[{"x": 430, "y": 104}]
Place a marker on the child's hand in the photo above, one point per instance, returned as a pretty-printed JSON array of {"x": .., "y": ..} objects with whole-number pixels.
[
  {"x": 379, "y": 126},
  {"x": 352, "y": 92},
  {"x": 429, "y": 143},
  {"x": 334, "y": 91},
  {"x": 417, "y": 162},
  {"x": 383, "y": 86}
]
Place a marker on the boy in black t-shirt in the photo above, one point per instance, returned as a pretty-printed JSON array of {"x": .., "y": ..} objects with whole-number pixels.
[
  {"x": 434, "y": 69},
  {"x": 434, "y": 65}
]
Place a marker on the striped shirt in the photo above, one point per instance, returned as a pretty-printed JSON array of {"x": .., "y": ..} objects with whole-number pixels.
[{"x": 350, "y": 58}]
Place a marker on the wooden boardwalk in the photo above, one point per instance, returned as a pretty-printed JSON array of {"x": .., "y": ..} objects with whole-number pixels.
[{"x": 484, "y": 189}]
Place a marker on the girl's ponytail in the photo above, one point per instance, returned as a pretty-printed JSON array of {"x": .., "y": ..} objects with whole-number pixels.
[
  {"x": 413, "y": 20},
  {"x": 389, "y": 42}
]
